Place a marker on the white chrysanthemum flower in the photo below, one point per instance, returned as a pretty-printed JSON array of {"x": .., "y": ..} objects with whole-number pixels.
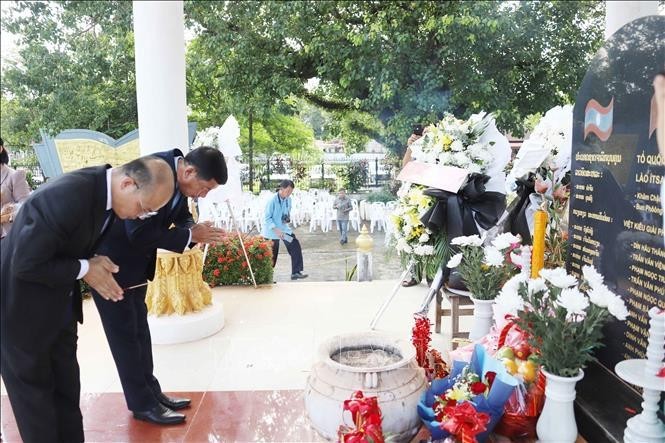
[
  {"x": 403, "y": 245},
  {"x": 480, "y": 153},
  {"x": 424, "y": 238},
  {"x": 573, "y": 301},
  {"x": 493, "y": 257},
  {"x": 508, "y": 302},
  {"x": 513, "y": 284},
  {"x": 617, "y": 308},
  {"x": 461, "y": 159},
  {"x": 592, "y": 276},
  {"x": 600, "y": 296},
  {"x": 457, "y": 146},
  {"x": 445, "y": 158},
  {"x": 537, "y": 285},
  {"x": 474, "y": 168},
  {"x": 505, "y": 240},
  {"x": 423, "y": 250},
  {"x": 558, "y": 277},
  {"x": 469, "y": 240},
  {"x": 454, "y": 261},
  {"x": 517, "y": 259}
]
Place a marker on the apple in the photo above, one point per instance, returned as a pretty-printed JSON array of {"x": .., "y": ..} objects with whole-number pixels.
[
  {"x": 522, "y": 350},
  {"x": 505, "y": 352},
  {"x": 528, "y": 370}
]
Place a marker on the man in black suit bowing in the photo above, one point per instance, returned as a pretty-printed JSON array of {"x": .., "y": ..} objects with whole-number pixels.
[
  {"x": 51, "y": 247},
  {"x": 133, "y": 246}
]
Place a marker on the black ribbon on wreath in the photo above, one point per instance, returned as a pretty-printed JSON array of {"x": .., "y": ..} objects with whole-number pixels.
[
  {"x": 457, "y": 214},
  {"x": 517, "y": 222}
]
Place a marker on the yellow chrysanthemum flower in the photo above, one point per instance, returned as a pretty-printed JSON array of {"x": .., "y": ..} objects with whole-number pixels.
[{"x": 457, "y": 394}]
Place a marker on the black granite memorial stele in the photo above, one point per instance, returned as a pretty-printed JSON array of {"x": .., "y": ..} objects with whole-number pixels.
[{"x": 616, "y": 216}]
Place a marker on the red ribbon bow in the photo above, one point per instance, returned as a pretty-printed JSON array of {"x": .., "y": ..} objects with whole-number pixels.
[
  {"x": 465, "y": 422},
  {"x": 366, "y": 416}
]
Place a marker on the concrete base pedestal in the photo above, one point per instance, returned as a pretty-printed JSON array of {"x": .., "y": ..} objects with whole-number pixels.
[
  {"x": 172, "y": 329},
  {"x": 364, "y": 269}
]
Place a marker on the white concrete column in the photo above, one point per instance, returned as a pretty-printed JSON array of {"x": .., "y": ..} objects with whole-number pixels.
[
  {"x": 619, "y": 13},
  {"x": 159, "y": 42}
]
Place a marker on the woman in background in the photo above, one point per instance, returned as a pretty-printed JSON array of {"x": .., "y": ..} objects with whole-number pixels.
[{"x": 14, "y": 189}]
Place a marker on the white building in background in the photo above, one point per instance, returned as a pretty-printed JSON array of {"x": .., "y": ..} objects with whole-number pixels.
[{"x": 336, "y": 146}]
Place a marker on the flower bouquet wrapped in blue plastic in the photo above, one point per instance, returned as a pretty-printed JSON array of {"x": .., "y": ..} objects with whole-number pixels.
[{"x": 483, "y": 382}]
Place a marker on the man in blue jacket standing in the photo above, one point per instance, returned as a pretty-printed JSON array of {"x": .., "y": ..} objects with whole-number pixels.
[{"x": 276, "y": 227}]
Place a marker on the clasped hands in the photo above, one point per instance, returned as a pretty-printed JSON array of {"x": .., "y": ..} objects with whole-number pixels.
[
  {"x": 100, "y": 278},
  {"x": 205, "y": 232}
]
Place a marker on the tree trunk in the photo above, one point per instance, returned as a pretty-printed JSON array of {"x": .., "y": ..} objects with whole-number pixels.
[{"x": 251, "y": 153}]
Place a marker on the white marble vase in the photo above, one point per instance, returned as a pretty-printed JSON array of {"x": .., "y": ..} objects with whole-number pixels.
[
  {"x": 482, "y": 318},
  {"x": 557, "y": 421}
]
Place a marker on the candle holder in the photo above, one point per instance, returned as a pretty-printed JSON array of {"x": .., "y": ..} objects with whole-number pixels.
[{"x": 647, "y": 427}]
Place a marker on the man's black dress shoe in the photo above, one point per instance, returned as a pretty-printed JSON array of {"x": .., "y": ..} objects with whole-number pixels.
[
  {"x": 173, "y": 403},
  {"x": 298, "y": 275},
  {"x": 160, "y": 415}
]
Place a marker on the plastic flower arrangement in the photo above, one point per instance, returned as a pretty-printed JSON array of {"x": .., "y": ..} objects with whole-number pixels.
[
  {"x": 411, "y": 238},
  {"x": 456, "y": 142},
  {"x": 562, "y": 317},
  {"x": 550, "y": 180},
  {"x": 226, "y": 264},
  {"x": 485, "y": 269},
  {"x": 366, "y": 416},
  {"x": 470, "y": 401}
]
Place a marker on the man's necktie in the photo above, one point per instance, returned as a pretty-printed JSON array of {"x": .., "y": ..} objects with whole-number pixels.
[
  {"x": 108, "y": 218},
  {"x": 176, "y": 199}
]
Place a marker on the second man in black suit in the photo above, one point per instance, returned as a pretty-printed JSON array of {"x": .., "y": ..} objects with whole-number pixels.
[{"x": 133, "y": 246}]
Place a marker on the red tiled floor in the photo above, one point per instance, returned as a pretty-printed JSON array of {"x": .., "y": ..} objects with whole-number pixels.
[
  {"x": 233, "y": 416},
  {"x": 106, "y": 419},
  {"x": 249, "y": 416},
  {"x": 245, "y": 416},
  {"x": 241, "y": 416}
]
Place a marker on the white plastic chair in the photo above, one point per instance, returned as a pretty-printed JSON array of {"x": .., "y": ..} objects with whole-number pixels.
[
  {"x": 377, "y": 216},
  {"x": 354, "y": 215}
]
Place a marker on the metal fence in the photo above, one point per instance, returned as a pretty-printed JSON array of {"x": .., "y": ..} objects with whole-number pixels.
[
  {"x": 24, "y": 158},
  {"x": 333, "y": 172}
]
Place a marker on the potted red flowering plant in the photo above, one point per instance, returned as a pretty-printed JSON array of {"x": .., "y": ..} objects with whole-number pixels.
[{"x": 226, "y": 264}]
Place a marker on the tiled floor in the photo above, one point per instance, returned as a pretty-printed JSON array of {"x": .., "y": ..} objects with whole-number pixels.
[
  {"x": 238, "y": 416},
  {"x": 247, "y": 380}
]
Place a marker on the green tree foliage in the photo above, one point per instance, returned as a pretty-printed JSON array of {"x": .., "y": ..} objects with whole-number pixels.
[
  {"x": 383, "y": 66},
  {"x": 406, "y": 62},
  {"x": 354, "y": 175},
  {"x": 75, "y": 69},
  {"x": 278, "y": 133}
]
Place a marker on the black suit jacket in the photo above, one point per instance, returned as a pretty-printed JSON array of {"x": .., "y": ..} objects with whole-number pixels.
[
  {"x": 57, "y": 225},
  {"x": 132, "y": 244}
]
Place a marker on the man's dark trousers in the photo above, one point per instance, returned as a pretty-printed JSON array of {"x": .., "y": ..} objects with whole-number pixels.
[
  {"x": 59, "y": 370},
  {"x": 128, "y": 318},
  {"x": 294, "y": 250}
]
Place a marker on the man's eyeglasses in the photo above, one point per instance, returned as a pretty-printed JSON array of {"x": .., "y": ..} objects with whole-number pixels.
[{"x": 146, "y": 213}]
